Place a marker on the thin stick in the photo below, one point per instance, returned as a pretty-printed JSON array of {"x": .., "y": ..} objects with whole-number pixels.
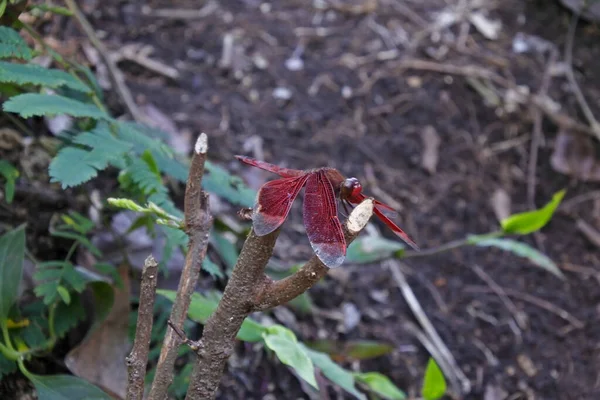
[
  {"x": 113, "y": 71},
  {"x": 250, "y": 289},
  {"x": 198, "y": 222},
  {"x": 589, "y": 115},
  {"x": 415, "y": 306},
  {"x": 137, "y": 360}
]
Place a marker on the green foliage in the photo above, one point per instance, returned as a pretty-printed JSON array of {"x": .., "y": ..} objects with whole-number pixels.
[
  {"x": 32, "y": 74},
  {"x": 532, "y": 221},
  {"x": 34, "y": 104},
  {"x": 75, "y": 165},
  {"x": 65, "y": 387},
  {"x": 285, "y": 344},
  {"x": 353, "y": 349},
  {"x": 52, "y": 275},
  {"x": 53, "y": 9},
  {"x": 6, "y": 366},
  {"x": 381, "y": 385},
  {"x": 68, "y": 315},
  {"x": 434, "y": 383},
  {"x": 10, "y": 173},
  {"x": 217, "y": 180},
  {"x": 367, "y": 249},
  {"x": 520, "y": 249},
  {"x": 12, "y": 45},
  {"x": 12, "y": 251}
]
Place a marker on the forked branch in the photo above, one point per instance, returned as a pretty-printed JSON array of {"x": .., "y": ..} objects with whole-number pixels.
[{"x": 248, "y": 290}]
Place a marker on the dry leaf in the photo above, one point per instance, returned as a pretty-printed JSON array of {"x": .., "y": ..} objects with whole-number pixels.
[
  {"x": 575, "y": 155},
  {"x": 100, "y": 358},
  {"x": 431, "y": 145}
]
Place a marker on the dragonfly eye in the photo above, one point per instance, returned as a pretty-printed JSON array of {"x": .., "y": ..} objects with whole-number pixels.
[{"x": 350, "y": 188}]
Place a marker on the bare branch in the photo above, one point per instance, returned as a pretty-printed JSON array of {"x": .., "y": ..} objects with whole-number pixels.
[
  {"x": 138, "y": 358},
  {"x": 198, "y": 222}
]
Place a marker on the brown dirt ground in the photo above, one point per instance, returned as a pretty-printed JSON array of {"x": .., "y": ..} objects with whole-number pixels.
[{"x": 380, "y": 126}]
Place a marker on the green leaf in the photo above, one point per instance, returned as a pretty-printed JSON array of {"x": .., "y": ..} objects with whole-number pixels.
[
  {"x": 531, "y": 221},
  {"x": 12, "y": 45},
  {"x": 64, "y": 294},
  {"x": 6, "y": 366},
  {"x": 67, "y": 316},
  {"x": 104, "y": 298},
  {"x": 3, "y": 7},
  {"x": 78, "y": 222},
  {"x": 232, "y": 188},
  {"x": 434, "y": 383},
  {"x": 33, "y": 74},
  {"x": 213, "y": 269},
  {"x": 226, "y": 249},
  {"x": 65, "y": 387},
  {"x": 53, "y": 9},
  {"x": 285, "y": 345},
  {"x": 73, "y": 165},
  {"x": 34, "y": 104},
  {"x": 202, "y": 307},
  {"x": 522, "y": 250},
  {"x": 11, "y": 174},
  {"x": 50, "y": 275},
  {"x": 126, "y": 204},
  {"x": 367, "y": 249},
  {"x": 355, "y": 349},
  {"x": 381, "y": 385},
  {"x": 12, "y": 252},
  {"x": 334, "y": 372}
]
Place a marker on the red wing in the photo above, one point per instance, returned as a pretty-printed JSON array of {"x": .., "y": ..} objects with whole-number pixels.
[
  {"x": 273, "y": 203},
  {"x": 379, "y": 211},
  {"x": 321, "y": 221},
  {"x": 283, "y": 172},
  {"x": 395, "y": 228}
]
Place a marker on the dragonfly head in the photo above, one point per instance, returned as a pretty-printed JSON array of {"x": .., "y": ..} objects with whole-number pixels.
[{"x": 350, "y": 189}]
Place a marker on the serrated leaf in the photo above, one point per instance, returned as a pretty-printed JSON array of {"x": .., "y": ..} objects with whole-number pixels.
[
  {"x": 522, "y": 250},
  {"x": 334, "y": 372},
  {"x": 285, "y": 345},
  {"x": 67, "y": 316},
  {"x": 381, "y": 385},
  {"x": 12, "y": 252},
  {"x": 34, "y": 104},
  {"x": 219, "y": 181},
  {"x": 33, "y": 74},
  {"x": 65, "y": 387},
  {"x": 201, "y": 308},
  {"x": 73, "y": 166},
  {"x": 531, "y": 221},
  {"x": 434, "y": 383},
  {"x": 140, "y": 136},
  {"x": 6, "y": 366},
  {"x": 367, "y": 249},
  {"x": 10, "y": 173},
  {"x": 12, "y": 45}
]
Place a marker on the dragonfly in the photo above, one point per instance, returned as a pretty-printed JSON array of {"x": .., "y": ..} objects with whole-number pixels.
[{"x": 323, "y": 186}]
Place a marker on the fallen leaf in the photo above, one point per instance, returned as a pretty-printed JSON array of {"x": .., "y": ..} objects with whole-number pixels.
[
  {"x": 575, "y": 155},
  {"x": 431, "y": 145},
  {"x": 100, "y": 357},
  {"x": 501, "y": 204}
]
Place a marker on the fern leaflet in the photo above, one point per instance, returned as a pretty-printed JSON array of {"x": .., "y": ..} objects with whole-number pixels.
[
  {"x": 12, "y": 45},
  {"x": 73, "y": 166},
  {"x": 52, "y": 274},
  {"x": 35, "y": 104},
  {"x": 23, "y": 74}
]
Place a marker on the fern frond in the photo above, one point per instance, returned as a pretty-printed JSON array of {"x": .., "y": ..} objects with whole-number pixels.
[
  {"x": 68, "y": 315},
  {"x": 147, "y": 180},
  {"x": 32, "y": 74},
  {"x": 51, "y": 274},
  {"x": 12, "y": 45},
  {"x": 141, "y": 138},
  {"x": 34, "y": 104},
  {"x": 73, "y": 166}
]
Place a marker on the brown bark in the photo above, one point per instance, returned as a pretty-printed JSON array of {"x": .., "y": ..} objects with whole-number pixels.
[{"x": 138, "y": 358}]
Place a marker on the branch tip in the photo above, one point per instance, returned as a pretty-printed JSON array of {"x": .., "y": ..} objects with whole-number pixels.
[
  {"x": 359, "y": 217},
  {"x": 201, "y": 146}
]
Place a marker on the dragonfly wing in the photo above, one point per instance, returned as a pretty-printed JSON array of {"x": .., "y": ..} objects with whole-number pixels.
[
  {"x": 273, "y": 203},
  {"x": 395, "y": 228},
  {"x": 283, "y": 172},
  {"x": 321, "y": 221}
]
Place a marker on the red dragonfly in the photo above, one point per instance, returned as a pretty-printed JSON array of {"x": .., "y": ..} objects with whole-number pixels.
[{"x": 320, "y": 212}]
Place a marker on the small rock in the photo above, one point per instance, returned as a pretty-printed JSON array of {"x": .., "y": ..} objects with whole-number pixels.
[
  {"x": 351, "y": 316},
  {"x": 282, "y": 93}
]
